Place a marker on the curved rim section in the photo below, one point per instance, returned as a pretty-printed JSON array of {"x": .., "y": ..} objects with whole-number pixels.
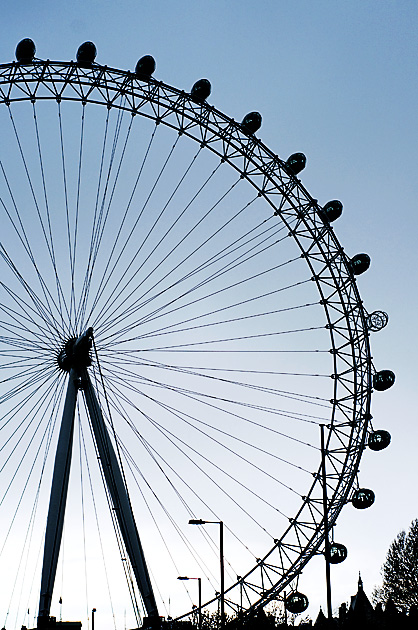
[{"x": 319, "y": 247}]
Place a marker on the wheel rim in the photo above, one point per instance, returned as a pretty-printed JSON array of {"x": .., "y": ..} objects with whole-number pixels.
[{"x": 296, "y": 215}]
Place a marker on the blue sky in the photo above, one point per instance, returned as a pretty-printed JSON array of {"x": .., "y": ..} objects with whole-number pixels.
[{"x": 338, "y": 81}]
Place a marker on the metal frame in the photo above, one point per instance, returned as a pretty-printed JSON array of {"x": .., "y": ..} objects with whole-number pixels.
[
  {"x": 79, "y": 379},
  {"x": 293, "y": 205}
]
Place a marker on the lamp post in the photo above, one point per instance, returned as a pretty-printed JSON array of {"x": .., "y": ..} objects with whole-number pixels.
[
  {"x": 199, "y": 521},
  {"x": 92, "y": 618},
  {"x": 199, "y": 585}
]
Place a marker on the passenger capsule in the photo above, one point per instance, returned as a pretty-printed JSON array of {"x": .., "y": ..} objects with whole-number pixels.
[
  {"x": 378, "y": 440},
  {"x": 296, "y": 162},
  {"x": 25, "y": 51},
  {"x": 377, "y": 320},
  {"x": 362, "y": 498},
  {"x": 359, "y": 263},
  {"x": 86, "y": 54},
  {"x": 251, "y": 123},
  {"x": 337, "y": 553},
  {"x": 331, "y": 211},
  {"x": 145, "y": 67},
  {"x": 296, "y": 602},
  {"x": 201, "y": 90},
  {"x": 383, "y": 380}
]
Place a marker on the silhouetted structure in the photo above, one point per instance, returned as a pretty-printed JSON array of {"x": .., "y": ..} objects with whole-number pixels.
[{"x": 361, "y": 615}]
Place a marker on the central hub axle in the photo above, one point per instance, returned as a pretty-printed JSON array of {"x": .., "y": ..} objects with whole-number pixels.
[{"x": 76, "y": 352}]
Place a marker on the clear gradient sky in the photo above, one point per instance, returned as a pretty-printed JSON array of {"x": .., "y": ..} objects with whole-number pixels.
[{"x": 337, "y": 80}]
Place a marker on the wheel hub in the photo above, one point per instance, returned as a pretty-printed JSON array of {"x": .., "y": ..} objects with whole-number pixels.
[{"x": 76, "y": 352}]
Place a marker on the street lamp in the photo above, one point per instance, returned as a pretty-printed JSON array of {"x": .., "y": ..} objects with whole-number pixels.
[
  {"x": 199, "y": 521},
  {"x": 92, "y": 618},
  {"x": 199, "y": 584}
]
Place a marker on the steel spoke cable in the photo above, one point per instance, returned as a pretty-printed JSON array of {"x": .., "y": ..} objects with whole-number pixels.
[
  {"x": 47, "y": 294},
  {"x": 92, "y": 496},
  {"x": 187, "y": 418},
  {"x": 226, "y": 251},
  {"x": 183, "y": 417},
  {"x": 190, "y": 290},
  {"x": 77, "y": 210},
  {"x": 183, "y": 211},
  {"x": 214, "y": 258},
  {"x": 16, "y": 363},
  {"x": 130, "y": 376},
  {"x": 11, "y": 413},
  {"x": 217, "y": 292},
  {"x": 172, "y": 439},
  {"x": 241, "y": 338},
  {"x": 119, "y": 395},
  {"x": 40, "y": 378},
  {"x": 83, "y": 520},
  {"x": 99, "y": 222},
  {"x": 168, "y": 330},
  {"x": 156, "y": 182},
  {"x": 18, "y": 320},
  {"x": 42, "y": 314},
  {"x": 109, "y": 205},
  {"x": 207, "y": 313},
  {"x": 104, "y": 283},
  {"x": 29, "y": 370},
  {"x": 192, "y": 550},
  {"x": 212, "y": 463},
  {"x": 133, "y": 465},
  {"x": 48, "y": 434},
  {"x": 208, "y": 377},
  {"x": 27, "y": 545},
  {"x": 31, "y": 469},
  {"x": 19, "y": 337},
  {"x": 118, "y": 535},
  {"x": 104, "y": 215},
  {"x": 125, "y": 286},
  {"x": 122, "y": 366},
  {"x": 36, "y": 204},
  {"x": 168, "y": 327},
  {"x": 43, "y": 309},
  {"x": 144, "y": 160},
  {"x": 137, "y": 303},
  {"x": 51, "y": 248},
  {"x": 201, "y": 398},
  {"x": 87, "y": 278},
  {"x": 243, "y": 258},
  {"x": 31, "y": 415},
  {"x": 177, "y": 389},
  {"x": 67, "y": 213}
]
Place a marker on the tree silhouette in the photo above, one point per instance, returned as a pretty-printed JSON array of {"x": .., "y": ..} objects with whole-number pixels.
[{"x": 400, "y": 570}]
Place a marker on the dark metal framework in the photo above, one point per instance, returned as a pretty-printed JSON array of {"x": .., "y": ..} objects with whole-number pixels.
[{"x": 292, "y": 204}]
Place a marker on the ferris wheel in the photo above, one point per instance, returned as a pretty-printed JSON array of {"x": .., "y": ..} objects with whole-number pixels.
[{"x": 178, "y": 318}]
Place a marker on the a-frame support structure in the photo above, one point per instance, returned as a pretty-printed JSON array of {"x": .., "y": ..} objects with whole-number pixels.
[{"x": 75, "y": 358}]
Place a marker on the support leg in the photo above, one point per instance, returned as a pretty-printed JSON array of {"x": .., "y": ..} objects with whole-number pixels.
[
  {"x": 57, "y": 501},
  {"x": 120, "y": 498}
]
